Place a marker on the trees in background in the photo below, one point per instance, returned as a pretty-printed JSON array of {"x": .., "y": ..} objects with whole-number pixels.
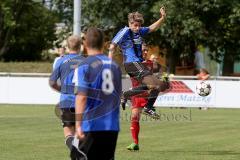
[
  {"x": 26, "y": 29},
  {"x": 108, "y": 14},
  {"x": 213, "y": 23}
]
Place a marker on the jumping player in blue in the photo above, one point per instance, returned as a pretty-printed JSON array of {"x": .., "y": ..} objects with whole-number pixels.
[
  {"x": 98, "y": 90},
  {"x": 63, "y": 70},
  {"x": 129, "y": 39}
]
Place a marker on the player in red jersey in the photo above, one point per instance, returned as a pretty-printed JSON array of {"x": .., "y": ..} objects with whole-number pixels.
[{"x": 138, "y": 103}]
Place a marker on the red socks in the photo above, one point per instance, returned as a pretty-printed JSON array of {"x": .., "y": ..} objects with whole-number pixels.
[{"x": 135, "y": 127}]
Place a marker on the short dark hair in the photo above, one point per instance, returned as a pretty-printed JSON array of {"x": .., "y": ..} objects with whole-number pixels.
[{"x": 94, "y": 38}]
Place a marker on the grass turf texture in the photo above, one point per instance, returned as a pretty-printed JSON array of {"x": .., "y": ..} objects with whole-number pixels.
[
  {"x": 30, "y": 132},
  {"x": 26, "y": 67}
]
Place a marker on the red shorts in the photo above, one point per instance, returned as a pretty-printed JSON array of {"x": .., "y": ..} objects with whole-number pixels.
[{"x": 138, "y": 101}]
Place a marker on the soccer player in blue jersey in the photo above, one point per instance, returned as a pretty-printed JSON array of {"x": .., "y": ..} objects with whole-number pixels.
[
  {"x": 63, "y": 70},
  {"x": 98, "y": 92},
  {"x": 129, "y": 39}
]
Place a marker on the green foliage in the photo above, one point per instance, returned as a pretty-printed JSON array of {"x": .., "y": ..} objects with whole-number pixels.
[
  {"x": 110, "y": 15},
  {"x": 213, "y": 23},
  {"x": 26, "y": 29},
  {"x": 64, "y": 9}
]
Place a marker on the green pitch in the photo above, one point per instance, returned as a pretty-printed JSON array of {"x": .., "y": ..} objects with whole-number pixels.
[{"x": 34, "y": 133}]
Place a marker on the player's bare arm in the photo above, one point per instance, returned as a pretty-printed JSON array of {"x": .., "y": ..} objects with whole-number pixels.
[
  {"x": 54, "y": 85},
  {"x": 80, "y": 105},
  {"x": 153, "y": 27},
  {"x": 111, "y": 50}
]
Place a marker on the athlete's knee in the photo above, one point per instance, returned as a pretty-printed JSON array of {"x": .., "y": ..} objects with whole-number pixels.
[
  {"x": 135, "y": 116},
  {"x": 163, "y": 86},
  {"x": 151, "y": 82}
]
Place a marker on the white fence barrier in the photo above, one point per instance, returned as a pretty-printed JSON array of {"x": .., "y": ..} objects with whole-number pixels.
[
  {"x": 19, "y": 88},
  {"x": 26, "y": 89}
]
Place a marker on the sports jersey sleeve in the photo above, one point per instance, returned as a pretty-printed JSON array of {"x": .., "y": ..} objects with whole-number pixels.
[
  {"x": 81, "y": 79},
  {"x": 144, "y": 30},
  {"x": 56, "y": 71},
  {"x": 120, "y": 36}
]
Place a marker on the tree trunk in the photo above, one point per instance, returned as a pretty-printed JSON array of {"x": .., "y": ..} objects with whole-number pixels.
[
  {"x": 5, "y": 45},
  {"x": 228, "y": 63},
  {"x": 172, "y": 59},
  {"x": 6, "y": 33},
  {"x": 1, "y": 29}
]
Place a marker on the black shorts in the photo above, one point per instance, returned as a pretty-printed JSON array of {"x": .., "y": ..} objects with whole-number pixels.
[
  {"x": 137, "y": 70},
  {"x": 96, "y": 145},
  {"x": 67, "y": 115}
]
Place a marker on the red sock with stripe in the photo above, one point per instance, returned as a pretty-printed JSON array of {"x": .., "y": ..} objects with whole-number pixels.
[{"x": 135, "y": 128}]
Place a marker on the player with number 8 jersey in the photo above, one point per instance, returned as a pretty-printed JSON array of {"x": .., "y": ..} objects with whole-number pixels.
[
  {"x": 98, "y": 91},
  {"x": 99, "y": 78}
]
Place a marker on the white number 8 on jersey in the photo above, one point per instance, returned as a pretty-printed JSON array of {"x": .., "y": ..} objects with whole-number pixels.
[{"x": 107, "y": 84}]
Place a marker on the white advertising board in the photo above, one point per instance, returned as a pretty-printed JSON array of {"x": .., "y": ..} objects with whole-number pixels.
[
  {"x": 35, "y": 90},
  {"x": 27, "y": 90},
  {"x": 224, "y": 94}
]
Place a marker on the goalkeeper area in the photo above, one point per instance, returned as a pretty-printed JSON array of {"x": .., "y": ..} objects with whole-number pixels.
[{"x": 33, "y": 132}]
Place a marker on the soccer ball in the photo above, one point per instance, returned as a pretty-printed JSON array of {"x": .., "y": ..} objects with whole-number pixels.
[{"x": 203, "y": 88}]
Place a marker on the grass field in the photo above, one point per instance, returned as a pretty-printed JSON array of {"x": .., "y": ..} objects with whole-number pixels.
[
  {"x": 26, "y": 67},
  {"x": 34, "y": 133}
]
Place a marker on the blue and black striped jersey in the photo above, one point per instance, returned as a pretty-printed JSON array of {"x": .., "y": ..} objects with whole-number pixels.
[{"x": 99, "y": 78}]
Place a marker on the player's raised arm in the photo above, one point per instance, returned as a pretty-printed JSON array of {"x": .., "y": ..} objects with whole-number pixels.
[{"x": 153, "y": 27}]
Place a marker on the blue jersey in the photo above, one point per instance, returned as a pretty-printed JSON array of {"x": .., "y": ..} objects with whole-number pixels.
[
  {"x": 125, "y": 39},
  {"x": 99, "y": 78},
  {"x": 64, "y": 71}
]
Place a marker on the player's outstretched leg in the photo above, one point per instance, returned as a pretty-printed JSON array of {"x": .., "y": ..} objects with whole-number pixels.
[
  {"x": 135, "y": 91},
  {"x": 154, "y": 86},
  {"x": 149, "y": 109},
  {"x": 160, "y": 86},
  {"x": 126, "y": 95}
]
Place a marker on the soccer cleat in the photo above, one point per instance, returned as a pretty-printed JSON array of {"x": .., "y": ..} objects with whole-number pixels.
[
  {"x": 133, "y": 147},
  {"x": 123, "y": 103},
  {"x": 166, "y": 78},
  {"x": 68, "y": 141},
  {"x": 153, "y": 108},
  {"x": 151, "y": 112}
]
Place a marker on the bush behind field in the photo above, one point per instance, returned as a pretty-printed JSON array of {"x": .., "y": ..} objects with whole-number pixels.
[{"x": 26, "y": 67}]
